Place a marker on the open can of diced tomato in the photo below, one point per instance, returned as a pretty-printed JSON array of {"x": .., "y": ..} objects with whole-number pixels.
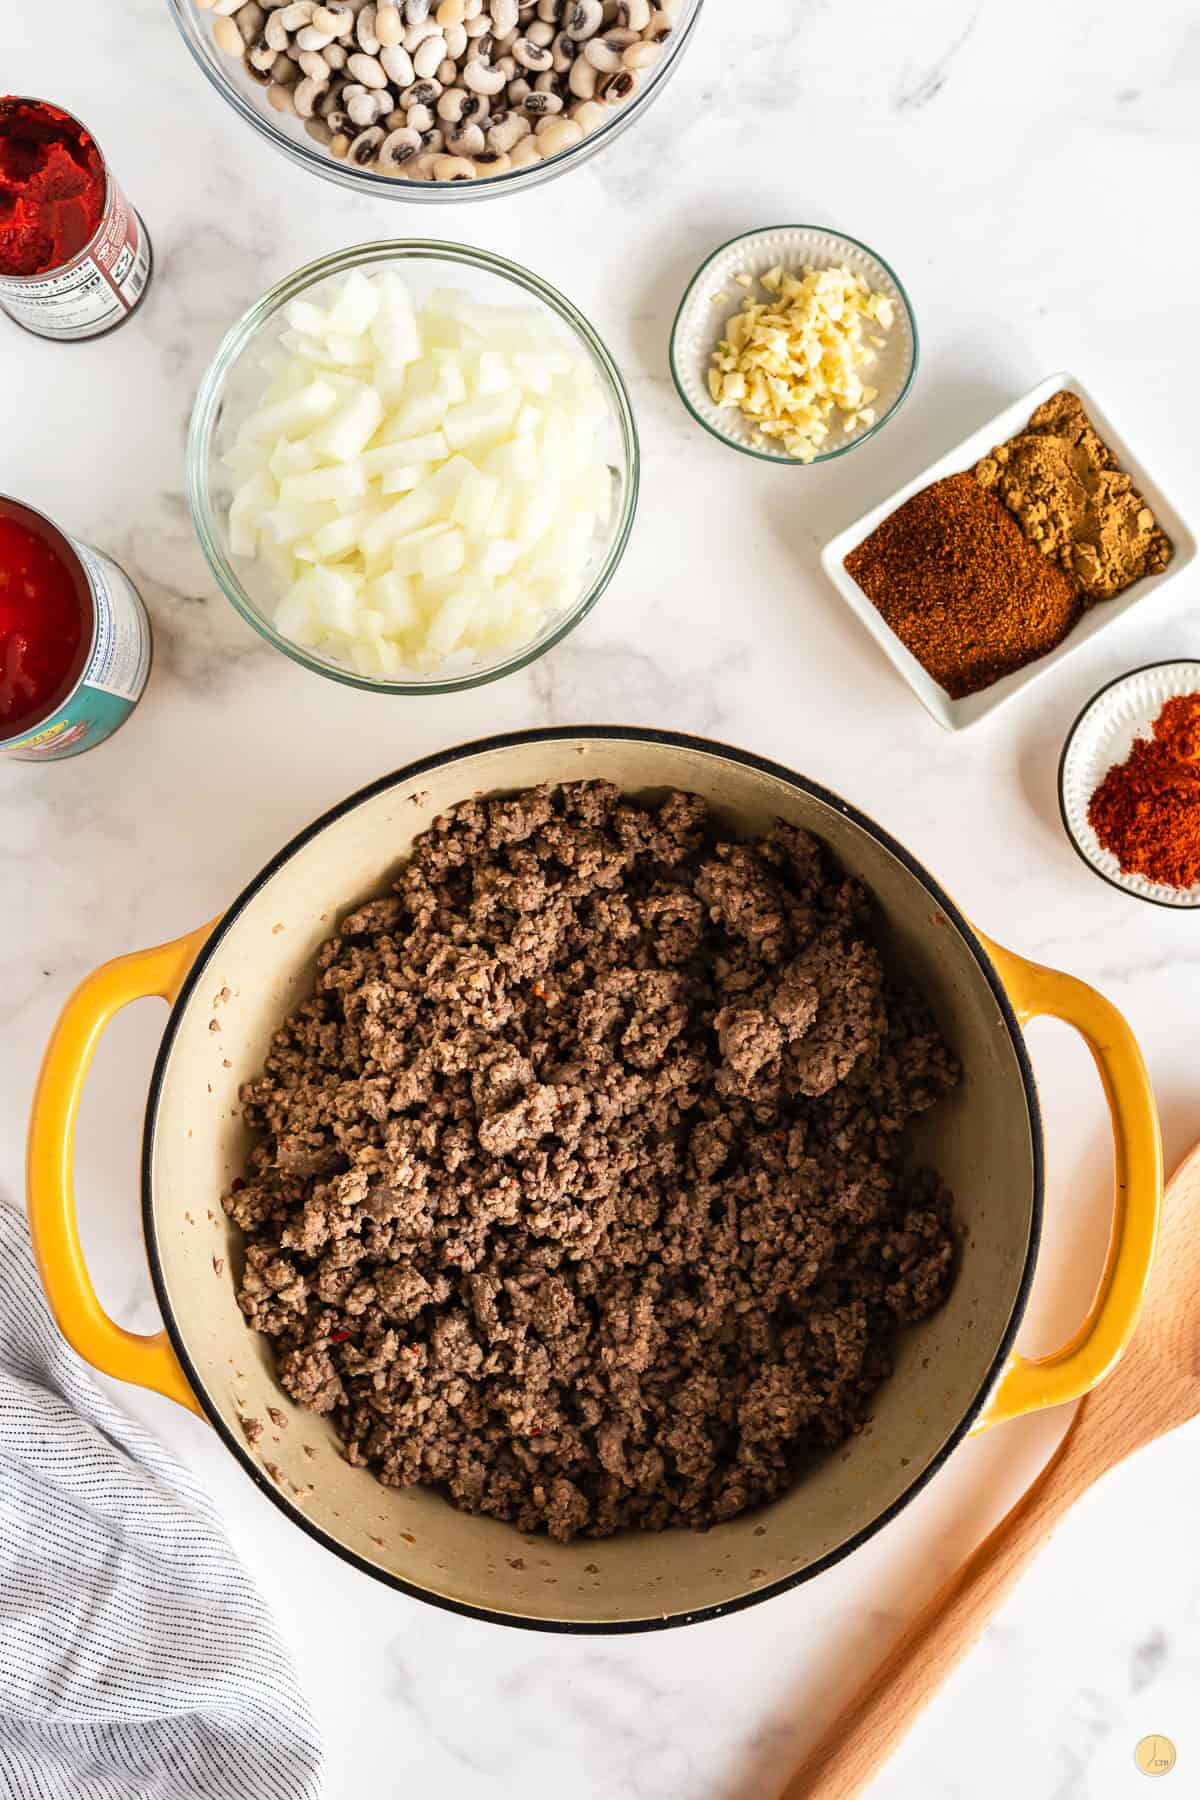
[
  {"x": 75, "y": 640},
  {"x": 75, "y": 258}
]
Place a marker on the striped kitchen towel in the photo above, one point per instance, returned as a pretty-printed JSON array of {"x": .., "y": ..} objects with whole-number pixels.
[{"x": 137, "y": 1659}]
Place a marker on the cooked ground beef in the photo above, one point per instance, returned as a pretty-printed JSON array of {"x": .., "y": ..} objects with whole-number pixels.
[{"x": 581, "y": 1188}]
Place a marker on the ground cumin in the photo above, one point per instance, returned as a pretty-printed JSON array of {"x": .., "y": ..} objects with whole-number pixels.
[
  {"x": 956, "y": 579},
  {"x": 1146, "y": 811},
  {"x": 1074, "y": 502}
]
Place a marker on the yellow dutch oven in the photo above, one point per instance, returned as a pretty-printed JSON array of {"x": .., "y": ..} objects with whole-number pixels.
[{"x": 230, "y": 983}]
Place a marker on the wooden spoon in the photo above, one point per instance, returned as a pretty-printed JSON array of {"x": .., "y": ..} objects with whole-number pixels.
[{"x": 1154, "y": 1388}]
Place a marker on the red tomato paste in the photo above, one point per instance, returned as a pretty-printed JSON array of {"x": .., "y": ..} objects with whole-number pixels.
[
  {"x": 42, "y": 618},
  {"x": 52, "y": 187}
]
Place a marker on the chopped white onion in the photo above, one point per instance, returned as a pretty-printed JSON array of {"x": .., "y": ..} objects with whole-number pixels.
[{"x": 419, "y": 484}]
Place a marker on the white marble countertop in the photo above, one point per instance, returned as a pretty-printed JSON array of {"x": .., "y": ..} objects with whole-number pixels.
[{"x": 1029, "y": 170}]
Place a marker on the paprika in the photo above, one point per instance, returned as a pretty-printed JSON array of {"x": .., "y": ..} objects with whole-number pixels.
[{"x": 1146, "y": 811}]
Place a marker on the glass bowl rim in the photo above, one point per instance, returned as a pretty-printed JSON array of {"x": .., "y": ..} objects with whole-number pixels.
[
  {"x": 207, "y": 405},
  {"x": 396, "y": 187},
  {"x": 796, "y": 462}
]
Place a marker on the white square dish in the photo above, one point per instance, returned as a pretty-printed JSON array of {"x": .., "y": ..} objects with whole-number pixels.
[{"x": 955, "y": 715}]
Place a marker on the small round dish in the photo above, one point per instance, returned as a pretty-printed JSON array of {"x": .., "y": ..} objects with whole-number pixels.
[
  {"x": 231, "y": 385},
  {"x": 700, "y": 325},
  {"x": 1103, "y": 736}
]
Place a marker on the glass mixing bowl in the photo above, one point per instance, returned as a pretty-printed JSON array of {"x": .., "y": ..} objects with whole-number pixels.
[
  {"x": 233, "y": 382},
  {"x": 287, "y": 132}
]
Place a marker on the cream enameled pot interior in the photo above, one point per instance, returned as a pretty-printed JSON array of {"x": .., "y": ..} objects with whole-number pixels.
[{"x": 260, "y": 964}]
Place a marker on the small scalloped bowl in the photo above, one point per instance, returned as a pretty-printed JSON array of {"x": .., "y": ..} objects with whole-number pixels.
[
  {"x": 1103, "y": 736},
  {"x": 699, "y": 327}
]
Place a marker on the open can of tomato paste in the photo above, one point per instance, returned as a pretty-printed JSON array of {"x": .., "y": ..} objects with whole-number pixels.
[
  {"x": 74, "y": 640},
  {"x": 75, "y": 258}
]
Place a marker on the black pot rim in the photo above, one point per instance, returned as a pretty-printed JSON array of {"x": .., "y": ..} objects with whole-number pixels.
[{"x": 561, "y": 734}]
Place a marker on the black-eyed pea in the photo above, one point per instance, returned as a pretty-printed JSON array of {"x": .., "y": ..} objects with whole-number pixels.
[
  {"x": 507, "y": 66},
  {"x": 451, "y": 12},
  {"x": 418, "y": 118},
  {"x": 297, "y": 15},
  {"x": 541, "y": 32},
  {"x": 507, "y": 130},
  {"x": 465, "y": 140},
  {"x": 251, "y": 21},
  {"x": 589, "y": 115},
  {"x": 636, "y": 14},
  {"x": 549, "y": 10},
  {"x": 416, "y": 11},
  {"x": 314, "y": 65},
  {"x": 332, "y": 100},
  {"x": 223, "y": 8},
  {"x": 584, "y": 19},
  {"x": 456, "y": 41},
  {"x": 345, "y": 17},
  {"x": 305, "y": 96},
  {"x": 397, "y": 65},
  {"x": 614, "y": 90},
  {"x": 481, "y": 77},
  {"x": 280, "y": 97},
  {"x": 492, "y": 162},
  {"x": 309, "y": 38},
  {"x": 398, "y": 149},
  {"x": 276, "y": 33},
  {"x": 228, "y": 38},
  {"x": 365, "y": 147},
  {"x": 364, "y": 30},
  {"x": 336, "y": 56},
  {"x": 447, "y": 71},
  {"x": 479, "y": 26},
  {"x": 450, "y": 106},
  {"x": 368, "y": 70},
  {"x": 339, "y": 145},
  {"x": 660, "y": 28},
  {"x": 434, "y": 140},
  {"x": 429, "y": 56},
  {"x": 453, "y": 168},
  {"x": 532, "y": 56},
  {"x": 389, "y": 26},
  {"x": 603, "y": 54},
  {"x": 421, "y": 167},
  {"x": 317, "y": 129},
  {"x": 584, "y": 78},
  {"x": 555, "y": 135},
  {"x": 642, "y": 56},
  {"x": 284, "y": 72},
  {"x": 359, "y": 103},
  {"x": 506, "y": 16},
  {"x": 541, "y": 106},
  {"x": 564, "y": 50},
  {"x": 525, "y": 153}
]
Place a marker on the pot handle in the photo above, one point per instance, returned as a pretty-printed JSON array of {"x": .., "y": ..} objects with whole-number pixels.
[
  {"x": 147, "y": 1361},
  {"x": 1030, "y": 1383}
]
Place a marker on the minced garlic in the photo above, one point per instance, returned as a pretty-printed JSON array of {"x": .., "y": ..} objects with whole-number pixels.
[{"x": 787, "y": 363}]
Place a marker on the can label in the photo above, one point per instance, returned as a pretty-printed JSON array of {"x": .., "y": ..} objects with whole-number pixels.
[
  {"x": 96, "y": 289},
  {"x": 113, "y": 677}
]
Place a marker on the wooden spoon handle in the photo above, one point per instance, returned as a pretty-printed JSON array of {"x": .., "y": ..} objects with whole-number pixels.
[{"x": 860, "y": 1740}]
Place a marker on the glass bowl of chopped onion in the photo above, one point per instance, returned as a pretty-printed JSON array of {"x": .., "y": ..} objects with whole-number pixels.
[
  {"x": 794, "y": 344},
  {"x": 413, "y": 467},
  {"x": 314, "y": 107}
]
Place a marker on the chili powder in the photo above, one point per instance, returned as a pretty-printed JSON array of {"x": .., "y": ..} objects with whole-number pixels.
[
  {"x": 954, "y": 576},
  {"x": 1146, "y": 811}
]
